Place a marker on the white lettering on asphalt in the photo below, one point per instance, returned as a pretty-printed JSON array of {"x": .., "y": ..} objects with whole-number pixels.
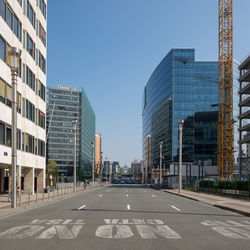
[
  {"x": 127, "y": 195},
  {"x": 100, "y": 195},
  {"x": 153, "y": 195},
  {"x": 57, "y": 227},
  {"x": 175, "y": 208},
  {"x": 231, "y": 229},
  {"x": 26, "y": 231},
  {"x": 106, "y": 231},
  {"x": 63, "y": 232},
  {"x": 121, "y": 228},
  {"x": 150, "y": 232}
]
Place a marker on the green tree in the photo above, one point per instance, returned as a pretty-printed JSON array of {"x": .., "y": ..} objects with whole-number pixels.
[
  {"x": 52, "y": 168},
  {"x": 121, "y": 171}
]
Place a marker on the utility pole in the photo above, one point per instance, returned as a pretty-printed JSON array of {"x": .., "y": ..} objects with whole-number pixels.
[
  {"x": 74, "y": 123},
  {"x": 110, "y": 173},
  {"x": 101, "y": 166},
  {"x": 93, "y": 165},
  {"x": 14, "y": 55},
  {"x": 180, "y": 122},
  {"x": 161, "y": 164}
]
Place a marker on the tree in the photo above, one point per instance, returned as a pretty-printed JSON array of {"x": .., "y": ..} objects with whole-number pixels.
[
  {"x": 52, "y": 168},
  {"x": 121, "y": 171}
]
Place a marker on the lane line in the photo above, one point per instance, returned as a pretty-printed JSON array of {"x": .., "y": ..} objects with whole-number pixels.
[
  {"x": 81, "y": 207},
  {"x": 100, "y": 195},
  {"x": 145, "y": 191},
  {"x": 127, "y": 195},
  {"x": 153, "y": 195},
  {"x": 175, "y": 208},
  {"x": 128, "y": 206}
]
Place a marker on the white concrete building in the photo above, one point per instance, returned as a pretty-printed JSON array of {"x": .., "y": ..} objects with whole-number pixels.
[{"x": 23, "y": 25}]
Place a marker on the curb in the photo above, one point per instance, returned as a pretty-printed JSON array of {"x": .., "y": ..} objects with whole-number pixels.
[{"x": 247, "y": 214}]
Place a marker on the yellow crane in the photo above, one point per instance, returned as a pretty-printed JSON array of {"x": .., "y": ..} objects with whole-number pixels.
[{"x": 225, "y": 129}]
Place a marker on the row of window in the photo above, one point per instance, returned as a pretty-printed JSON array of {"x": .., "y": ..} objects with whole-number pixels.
[
  {"x": 25, "y": 141},
  {"x": 11, "y": 19},
  {"x": 33, "y": 114}
]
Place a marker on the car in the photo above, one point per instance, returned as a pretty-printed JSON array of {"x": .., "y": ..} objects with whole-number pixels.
[
  {"x": 129, "y": 181},
  {"x": 122, "y": 181}
]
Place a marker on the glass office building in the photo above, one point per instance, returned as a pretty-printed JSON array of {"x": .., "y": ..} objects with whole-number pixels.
[
  {"x": 64, "y": 105},
  {"x": 181, "y": 88}
]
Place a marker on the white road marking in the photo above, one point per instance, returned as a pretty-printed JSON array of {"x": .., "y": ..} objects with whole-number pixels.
[
  {"x": 100, "y": 195},
  {"x": 150, "y": 232},
  {"x": 153, "y": 195},
  {"x": 127, "y": 195},
  {"x": 108, "y": 191},
  {"x": 175, "y": 208},
  {"x": 145, "y": 191},
  {"x": 233, "y": 230},
  {"x": 128, "y": 206},
  {"x": 81, "y": 207},
  {"x": 106, "y": 231}
]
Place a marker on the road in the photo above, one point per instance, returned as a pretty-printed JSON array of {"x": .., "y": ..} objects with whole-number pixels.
[{"x": 124, "y": 217}]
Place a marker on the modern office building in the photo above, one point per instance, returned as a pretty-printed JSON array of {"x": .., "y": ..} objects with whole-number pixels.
[
  {"x": 98, "y": 150},
  {"x": 23, "y": 25},
  {"x": 182, "y": 88},
  {"x": 64, "y": 105},
  {"x": 244, "y": 116}
]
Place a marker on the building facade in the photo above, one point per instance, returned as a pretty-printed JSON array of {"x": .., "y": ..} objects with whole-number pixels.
[
  {"x": 182, "y": 88},
  {"x": 98, "y": 149},
  {"x": 64, "y": 105},
  {"x": 244, "y": 116},
  {"x": 136, "y": 169},
  {"x": 23, "y": 25}
]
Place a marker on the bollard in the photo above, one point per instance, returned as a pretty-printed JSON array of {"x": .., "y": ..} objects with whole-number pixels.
[
  {"x": 36, "y": 195},
  {"x": 28, "y": 197},
  {"x": 20, "y": 198}
]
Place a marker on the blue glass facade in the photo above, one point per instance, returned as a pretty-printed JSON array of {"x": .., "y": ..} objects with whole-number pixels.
[{"x": 181, "y": 88}]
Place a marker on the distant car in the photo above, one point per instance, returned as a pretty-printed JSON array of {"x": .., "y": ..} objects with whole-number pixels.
[
  {"x": 122, "y": 181},
  {"x": 129, "y": 181}
]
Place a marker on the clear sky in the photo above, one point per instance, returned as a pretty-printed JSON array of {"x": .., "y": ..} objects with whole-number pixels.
[{"x": 111, "y": 47}]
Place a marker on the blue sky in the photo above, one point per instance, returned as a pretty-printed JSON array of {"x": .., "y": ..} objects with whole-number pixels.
[{"x": 111, "y": 47}]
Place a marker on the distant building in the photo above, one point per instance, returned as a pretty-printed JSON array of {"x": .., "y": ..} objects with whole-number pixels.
[
  {"x": 64, "y": 105},
  {"x": 106, "y": 168},
  {"x": 115, "y": 167},
  {"x": 98, "y": 149},
  {"x": 136, "y": 168}
]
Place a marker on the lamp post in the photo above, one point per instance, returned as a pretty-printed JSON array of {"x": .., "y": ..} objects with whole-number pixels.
[
  {"x": 110, "y": 172},
  {"x": 101, "y": 170},
  {"x": 161, "y": 164},
  {"x": 74, "y": 123},
  {"x": 180, "y": 122},
  {"x": 106, "y": 174},
  {"x": 14, "y": 56},
  {"x": 93, "y": 167}
]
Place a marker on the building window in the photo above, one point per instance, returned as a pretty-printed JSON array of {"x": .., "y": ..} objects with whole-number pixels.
[
  {"x": 8, "y": 95},
  {"x": 23, "y": 107},
  {"x": 9, "y": 18},
  {"x": 30, "y": 78},
  {"x": 19, "y": 139},
  {"x": 2, "y": 91},
  {"x": 30, "y": 46},
  {"x": 8, "y": 136},
  {"x": 3, "y": 9},
  {"x": 41, "y": 121},
  {"x": 43, "y": 8},
  {"x": 31, "y": 14},
  {"x": 19, "y": 103},
  {"x": 2, "y": 49},
  {"x": 41, "y": 90},
  {"x": 20, "y": 2},
  {"x": 16, "y": 25},
  {"x": 42, "y": 34},
  {"x": 22, "y": 141},
  {"x": 42, "y": 62},
  {"x": 2, "y": 133}
]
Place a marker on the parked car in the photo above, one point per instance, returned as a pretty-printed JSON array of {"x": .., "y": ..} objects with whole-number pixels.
[{"x": 122, "y": 181}]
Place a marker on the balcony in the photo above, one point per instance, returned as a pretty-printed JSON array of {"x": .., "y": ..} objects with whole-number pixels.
[
  {"x": 245, "y": 102},
  {"x": 245, "y": 115},
  {"x": 245, "y": 77},
  {"x": 245, "y": 90}
]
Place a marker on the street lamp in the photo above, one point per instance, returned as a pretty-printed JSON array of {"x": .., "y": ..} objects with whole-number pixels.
[
  {"x": 74, "y": 123},
  {"x": 13, "y": 60},
  {"x": 93, "y": 163},
  {"x": 101, "y": 170},
  {"x": 161, "y": 163},
  {"x": 106, "y": 170},
  {"x": 180, "y": 122}
]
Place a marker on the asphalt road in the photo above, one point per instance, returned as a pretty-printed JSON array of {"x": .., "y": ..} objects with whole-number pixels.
[{"x": 124, "y": 217}]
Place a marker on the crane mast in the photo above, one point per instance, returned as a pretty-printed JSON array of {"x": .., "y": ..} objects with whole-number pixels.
[{"x": 225, "y": 129}]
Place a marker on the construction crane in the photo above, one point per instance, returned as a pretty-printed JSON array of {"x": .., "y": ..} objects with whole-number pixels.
[{"x": 225, "y": 129}]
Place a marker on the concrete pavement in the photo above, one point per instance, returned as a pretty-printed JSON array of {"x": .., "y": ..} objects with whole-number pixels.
[{"x": 125, "y": 217}]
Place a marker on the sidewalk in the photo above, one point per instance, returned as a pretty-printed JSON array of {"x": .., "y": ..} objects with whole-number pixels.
[
  {"x": 231, "y": 204},
  {"x": 27, "y": 200}
]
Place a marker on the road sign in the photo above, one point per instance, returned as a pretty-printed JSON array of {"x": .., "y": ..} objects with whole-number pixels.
[{"x": 51, "y": 177}]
